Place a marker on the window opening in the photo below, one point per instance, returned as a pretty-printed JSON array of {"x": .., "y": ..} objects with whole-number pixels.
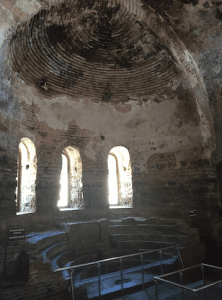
[
  {"x": 26, "y": 177},
  {"x": 71, "y": 180},
  {"x": 120, "y": 186}
]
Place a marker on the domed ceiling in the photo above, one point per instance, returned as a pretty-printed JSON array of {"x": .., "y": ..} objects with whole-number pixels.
[{"x": 90, "y": 49}]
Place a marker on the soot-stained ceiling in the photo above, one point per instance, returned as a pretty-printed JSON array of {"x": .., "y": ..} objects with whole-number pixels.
[{"x": 90, "y": 49}]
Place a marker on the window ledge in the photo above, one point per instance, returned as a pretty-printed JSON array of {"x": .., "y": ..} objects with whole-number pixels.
[
  {"x": 118, "y": 206},
  {"x": 24, "y": 213},
  {"x": 68, "y": 208}
]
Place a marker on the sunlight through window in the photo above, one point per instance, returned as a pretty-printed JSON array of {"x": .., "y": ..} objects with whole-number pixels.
[
  {"x": 71, "y": 192},
  {"x": 113, "y": 189},
  {"x": 64, "y": 182},
  {"x": 120, "y": 192},
  {"x": 26, "y": 177}
]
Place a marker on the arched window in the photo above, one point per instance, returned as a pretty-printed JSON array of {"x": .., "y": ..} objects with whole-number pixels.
[
  {"x": 26, "y": 177},
  {"x": 120, "y": 178},
  {"x": 71, "y": 195}
]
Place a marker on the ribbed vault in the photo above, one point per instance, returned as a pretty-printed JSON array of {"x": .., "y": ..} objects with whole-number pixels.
[{"x": 93, "y": 49}]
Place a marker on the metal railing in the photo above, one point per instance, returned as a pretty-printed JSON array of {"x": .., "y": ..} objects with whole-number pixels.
[
  {"x": 120, "y": 258},
  {"x": 184, "y": 287}
]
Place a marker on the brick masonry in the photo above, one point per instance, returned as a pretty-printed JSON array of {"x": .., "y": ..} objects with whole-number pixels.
[{"x": 157, "y": 93}]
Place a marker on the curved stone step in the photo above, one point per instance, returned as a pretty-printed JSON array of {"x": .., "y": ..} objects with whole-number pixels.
[
  {"x": 112, "y": 269},
  {"x": 78, "y": 258},
  {"x": 58, "y": 249},
  {"x": 138, "y": 244},
  {"x": 151, "y": 220},
  {"x": 147, "y": 237},
  {"x": 118, "y": 253},
  {"x": 144, "y": 229},
  {"x": 54, "y": 261},
  {"x": 44, "y": 240},
  {"x": 44, "y": 253},
  {"x": 133, "y": 221}
]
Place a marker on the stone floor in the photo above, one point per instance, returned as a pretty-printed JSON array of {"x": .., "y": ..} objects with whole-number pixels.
[
  {"x": 142, "y": 295},
  {"x": 167, "y": 293}
]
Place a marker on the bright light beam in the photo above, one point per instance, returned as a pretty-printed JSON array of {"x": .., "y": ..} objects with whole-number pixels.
[
  {"x": 64, "y": 183},
  {"x": 113, "y": 190}
]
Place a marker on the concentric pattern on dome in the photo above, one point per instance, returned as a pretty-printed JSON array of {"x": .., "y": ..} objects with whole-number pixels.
[{"x": 91, "y": 49}]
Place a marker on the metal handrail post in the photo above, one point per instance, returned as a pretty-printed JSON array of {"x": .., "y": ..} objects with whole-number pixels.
[
  {"x": 141, "y": 256},
  {"x": 121, "y": 270},
  {"x": 99, "y": 279},
  {"x": 181, "y": 282},
  {"x": 203, "y": 278},
  {"x": 161, "y": 260},
  {"x": 72, "y": 285},
  {"x": 180, "y": 258},
  {"x": 156, "y": 288},
  {"x": 219, "y": 285}
]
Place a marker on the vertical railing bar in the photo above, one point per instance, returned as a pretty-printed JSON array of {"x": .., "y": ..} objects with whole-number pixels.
[
  {"x": 180, "y": 258},
  {"x": 72, "y": 285},
  {"x": 156, "y": 288},
  {"x": 121, "y": 270},
  {"x": 219, "y": 286},
  {"x": 181, "y": 282},
  {"x": 141, "y": 256},
  {"x": 99, "y": 279},
  {"x": 161, "y": 260},
  {"x": 203, "y": 278}
]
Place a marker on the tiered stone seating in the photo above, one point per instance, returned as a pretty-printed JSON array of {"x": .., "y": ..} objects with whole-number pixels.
[
  {"x": 62, "y": 248},
  {"x": 153, "y": 233}
]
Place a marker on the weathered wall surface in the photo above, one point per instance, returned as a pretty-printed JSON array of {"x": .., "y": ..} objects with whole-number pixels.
[
  {"x": 198, "y": 25},
  {"x": 165, "y": 122},
  {"x": 161, "y": 129},
  {"x": 165, "y": 127}
]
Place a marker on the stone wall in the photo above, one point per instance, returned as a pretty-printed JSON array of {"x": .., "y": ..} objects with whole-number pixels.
[
  {"x": 171, "y": 164},
  {"x": 158, "y": 95}
]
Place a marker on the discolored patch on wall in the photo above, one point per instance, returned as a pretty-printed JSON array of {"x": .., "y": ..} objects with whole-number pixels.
[
  {"x": 45, "y": 134},
  {"x": 186, "y": 111},
  {"x": 160, "y": 161},
  {"x": 123, "y": 108},
  {"x": 135, "y": 123}
]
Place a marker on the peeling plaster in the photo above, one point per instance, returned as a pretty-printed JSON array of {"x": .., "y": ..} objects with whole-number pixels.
[
  {"x": 28, "y": 7},
  {"x": 93, "y": 117}
]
